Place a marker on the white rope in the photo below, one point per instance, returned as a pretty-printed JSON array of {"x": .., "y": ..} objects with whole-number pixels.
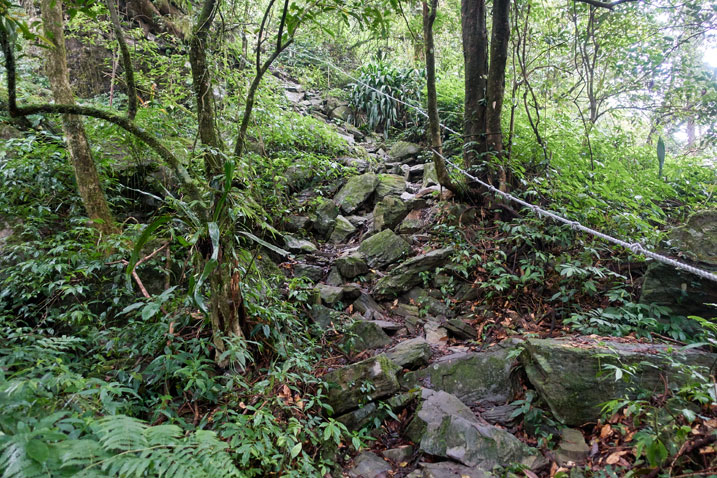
[{"x": 634, "y": 247}]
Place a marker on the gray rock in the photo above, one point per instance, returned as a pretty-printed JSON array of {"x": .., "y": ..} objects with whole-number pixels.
[
  {"x": 359, "y": 418},
  {"x": 352, "y": 265},
  {"x": 366, "y": 306},
  {"x": 435, "y": 333},
  {"x": 311, "y": 272},
  {"x": 407, "y": 275},
  {"x": 350, "y": 292},
  {"x": 460, "y": 329},
  {"x": 399, "y": 455},
  {"x": 368, "y": 335},
  {"x": 415, "y": 172},
  {"x": 472, "y": 377},
  {"x": 417, "y": 220},
  {"x": 342, "y": 112},
  {"x": 324, "y": 316},
  {"x": 430, "y": 176},
  {"x": 361, "y": 165},
  {"x": 572, "y": 447},
  {"x": 388, "y": 213},
  {"x": 384, "y": 248},
  {"x": 356, "y": 191},
  {"x": 445, "y": 427},
  {"x": 342, "y": 230},
  {"x": 369, "y": 465},
  {"x": 334, "y": 278},
  {"x": 360, "y": 221},
  {"x": 568, "y": 373},
  {"x": 329, "y": 294},
  {"x": 361, "y": 383},
  {"x": 325, "y": 217},
  {"x": 410, "y": 354},
  {"x": 428, "y": 303},
  {"x": 390, "y": 185},
  {"x": 295, "y": 223},
  {"x": 449, "y": 469},
  {"x": 403, "y": 150},
  {"x": 296, "y": 245}
]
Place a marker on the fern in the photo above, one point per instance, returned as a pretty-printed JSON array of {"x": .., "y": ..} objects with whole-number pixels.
[{"x": 119, "y": 446}]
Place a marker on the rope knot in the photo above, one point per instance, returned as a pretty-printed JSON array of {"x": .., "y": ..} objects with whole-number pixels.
[
  {"x": 637, "y": 248},
  {"x": 574, "y": 225}
]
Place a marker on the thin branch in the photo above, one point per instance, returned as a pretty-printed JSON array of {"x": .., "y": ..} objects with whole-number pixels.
[
  {"x": 608, "y": 5},
  {"x": 126, "y": 60}
]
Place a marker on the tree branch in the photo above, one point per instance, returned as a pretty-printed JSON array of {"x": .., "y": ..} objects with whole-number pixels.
[
  {"x": 126, "y": 60},
  {"x": 607, "y": 5}
]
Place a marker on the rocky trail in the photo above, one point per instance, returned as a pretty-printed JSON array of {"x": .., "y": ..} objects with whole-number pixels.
[{"x": 419, "y": 373}]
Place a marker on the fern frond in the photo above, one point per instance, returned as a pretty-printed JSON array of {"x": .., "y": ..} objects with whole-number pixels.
[{"x": 121, "y": 433}]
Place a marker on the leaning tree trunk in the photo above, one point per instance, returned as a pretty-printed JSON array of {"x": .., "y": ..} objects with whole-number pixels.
[
  {"x": 434, "y": 128},
  {"x": 475, "y": 55},
  {"x": 88, "y": 181}
]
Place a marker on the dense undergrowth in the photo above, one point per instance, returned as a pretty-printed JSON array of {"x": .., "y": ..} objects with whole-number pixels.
[{"x": 98, "y": 380}]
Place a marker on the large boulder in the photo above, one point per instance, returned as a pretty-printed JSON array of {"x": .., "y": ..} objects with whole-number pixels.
[
  {"x": 403, "y": 150},
  {"x": 361, "y": 383},
  {"x": 342, "y": 230},
  {"x": 369, "y": 465},
  {"x": 449, "y": 469},
  {"x": 390, "y": 185},
  {"x": 384, "y": 248},
  {"x": 411, "y": 354},
  {"x": 325, "y": 217},
  {"x": 294, "y": 244},
  {"x": 430, "y": 176},
  {"x": 570, "y": 374},
  {"x": 352, "y": 265},
  {"x": 685, "y": 293},
  {"x": 471, "y": 377},
  {"x": 388, "y": 213},
  {"x": 445, "y": 427},
  {"x": 407, "y": 275},
  {"x": 356, "y": 191},
  {"x": 367, "y": 334}
]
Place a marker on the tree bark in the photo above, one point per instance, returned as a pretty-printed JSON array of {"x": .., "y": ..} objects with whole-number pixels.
[
  {"x": 495, "y": 89},
  {"x": 126, "y": 61},
  {"x": 434, "y": 128},
  {"x": 88, "y": 181},
  {"x": 475, "y": 55}
]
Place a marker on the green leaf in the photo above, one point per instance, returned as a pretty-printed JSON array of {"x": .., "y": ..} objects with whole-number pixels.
[
  {"x": 37, "y": 450},
  {"x": 656, "y": 453},
  {"x": 296, "y": 450}
]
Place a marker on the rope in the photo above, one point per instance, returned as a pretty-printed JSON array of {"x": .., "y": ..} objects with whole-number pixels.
[{"x": 634, "y": 247}]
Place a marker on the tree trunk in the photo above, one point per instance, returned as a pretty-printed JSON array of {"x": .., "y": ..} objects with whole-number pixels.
[
  {"x": 475, "y": 55},
  {"x": 434, "y": 129},
  {"x": 88, "y": 181},
  {"x": 500, "y": 37}
]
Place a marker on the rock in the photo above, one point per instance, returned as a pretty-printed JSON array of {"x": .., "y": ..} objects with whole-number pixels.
[
  {"x": 406, "y": 310},
  {"x": 460, "y": 329},
  {"x": 388, "y": 213},
  {"x": 324, "y": 316},
  {"x": 449, "y": 469},
  {"x": 435, "y": 333},
  {"x": 350, "y": 392},
  {"x": 359, "y": 418},
  {"x": 384, "y": 248},
  {"x": 572, "y": 447},
  {"x": 352, "y": 265},
  {"x": 417, "y": 220},
  {"x": 388, "y": 326},
  {"x": 325, "y": 217},
  {"x": 684, "y": 293},
  {"x": 9, "y": 132},
  {"x": 369, "y": 465},
  {"x": 294, "y": 244},
  {"x": 368, "y": 335},
  {"x": 407, "y": 275},
  {"x": 415, "y": 172},
  {"x": 295, "y": 223},
  {"x": 360, "y": 221},
  {"x": 430, "y": 176},
  {"x": 334, "y": 278},
  {"x": 403, "y": 150},
  {"x": 470, "y": 376},
  {"x": 445, "y": 427},
  {"x": 350, "y": 292},
  {"x": 342, "y": 230},
  {"x": 500, "y": 414},
  {"x": 410, "y": 354},
  {"x": 329, "y": 294},
  {"x": 294, "y": 96},
  {"x": 298, "y": 176},
  {"x": 342, "y": 112},
  {"x": 366, "y": 306},
  {"x": 399, "y": 455},
  {"x": 311, "y": 272},
  {"x": 390, "y": 185},
  {"x": 427, "y": 303},
  {"x": 565, "y": 371},
  {"x": 356, "y": 191},
  {"x": 361, "y": 165},
  {"x": 413, "y": 202}
]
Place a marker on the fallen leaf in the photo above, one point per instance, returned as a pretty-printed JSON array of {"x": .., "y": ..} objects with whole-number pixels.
[
  {"x": 613, "y": 458},
  {"x": 606, "y": 431}
]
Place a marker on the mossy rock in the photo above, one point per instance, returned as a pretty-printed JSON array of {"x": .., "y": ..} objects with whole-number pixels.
[
  {"x": 343, "y": 229},
  {"x": 407, "y": 275},
  {"x": 390, "y": 185},
  {"x": 388, "y": 213},
  {"x": 352, "y": 265},
  {"x": 384, "y": 248},
  {"x": 403, "y": 150},
  {"x": 361, "y": 383},
  {"x": 356, "y": 191}
]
